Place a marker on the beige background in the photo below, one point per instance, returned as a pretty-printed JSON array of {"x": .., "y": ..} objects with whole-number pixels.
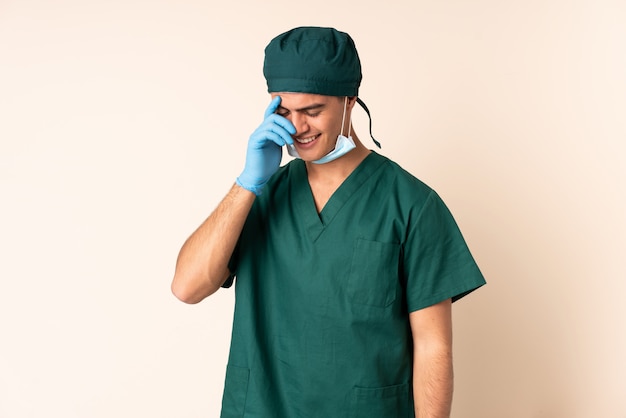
[{"x": 123, "y": 123}]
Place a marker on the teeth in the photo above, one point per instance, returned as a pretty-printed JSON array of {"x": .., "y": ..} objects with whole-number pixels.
[{"x": 306, "y": 140}]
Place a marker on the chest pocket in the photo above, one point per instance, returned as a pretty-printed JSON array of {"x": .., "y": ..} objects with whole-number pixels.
[{"x": 373, "y": 279}]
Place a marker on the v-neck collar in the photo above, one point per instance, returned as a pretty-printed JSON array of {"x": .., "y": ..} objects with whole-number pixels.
[{"x": 303, "y": 196}]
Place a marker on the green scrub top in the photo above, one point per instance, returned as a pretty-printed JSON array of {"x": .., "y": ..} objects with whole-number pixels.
[{"x": 321, "y": 325}]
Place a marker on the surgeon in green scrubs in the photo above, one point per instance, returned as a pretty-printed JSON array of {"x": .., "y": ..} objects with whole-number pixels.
[{"x": 344, "y": 265}]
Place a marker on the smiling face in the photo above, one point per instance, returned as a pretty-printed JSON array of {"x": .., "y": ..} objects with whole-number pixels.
[{"x": 317, "y": 120}]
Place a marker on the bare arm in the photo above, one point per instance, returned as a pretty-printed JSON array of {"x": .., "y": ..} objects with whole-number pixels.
[
  {"x": 202, "y": 265},
  {"x": 432, "y": 361}
]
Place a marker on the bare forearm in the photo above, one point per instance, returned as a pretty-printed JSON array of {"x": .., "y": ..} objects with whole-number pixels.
[
  {"x": 202, "y": 265},
  {"x": 433, "y": 379},
  {"x": 433, "y": 384}
]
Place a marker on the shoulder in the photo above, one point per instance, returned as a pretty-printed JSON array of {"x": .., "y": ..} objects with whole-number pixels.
[
  {"x": 285, "y": 171},
  {"x": 401, "y": 183},
  {"x": 279, "y": 185}
]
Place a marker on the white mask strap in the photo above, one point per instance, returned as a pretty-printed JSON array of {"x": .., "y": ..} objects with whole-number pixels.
[{"x": 343, "y": 119}]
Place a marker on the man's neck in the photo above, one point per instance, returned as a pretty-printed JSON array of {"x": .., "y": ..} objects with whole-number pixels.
[
  {"x": 339, "y": 169},
  {"x": 325, "y": 179}
]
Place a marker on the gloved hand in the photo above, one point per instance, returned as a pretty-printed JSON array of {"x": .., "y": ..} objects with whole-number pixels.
[{"x": 265, "y": 149}]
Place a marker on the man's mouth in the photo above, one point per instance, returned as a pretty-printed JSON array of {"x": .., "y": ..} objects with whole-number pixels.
[{"x": 306, "y": 140}]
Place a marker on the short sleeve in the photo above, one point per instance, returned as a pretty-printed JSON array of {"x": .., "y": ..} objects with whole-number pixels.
[
  {"x": 232, "y": 266},
  {"x": 437, "y": 264},
  {"x": 229, "y": 281}
]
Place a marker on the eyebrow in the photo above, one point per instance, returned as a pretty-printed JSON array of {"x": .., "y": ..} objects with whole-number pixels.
[{"x": 306, "y": 108}]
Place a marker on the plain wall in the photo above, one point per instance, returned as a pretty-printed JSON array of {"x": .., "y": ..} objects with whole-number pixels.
[{"x": 123, "y": 123}]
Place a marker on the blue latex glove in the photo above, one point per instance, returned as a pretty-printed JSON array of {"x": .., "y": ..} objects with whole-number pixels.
[{"x": 265, "y": 149}]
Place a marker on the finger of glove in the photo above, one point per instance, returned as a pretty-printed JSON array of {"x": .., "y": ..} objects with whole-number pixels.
[
  {"x": 283, "y": 122},
  {"x": 272, "y": 107},
  {"x": 277, "y": 125},
  {"x": 274, "y": 134}
]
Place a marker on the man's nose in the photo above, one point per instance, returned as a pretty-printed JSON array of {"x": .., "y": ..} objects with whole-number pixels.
[{"x": 300, "y": 123}]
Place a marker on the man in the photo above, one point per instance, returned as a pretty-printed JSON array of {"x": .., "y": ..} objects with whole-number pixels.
[{"x": 346, "y": 265}]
